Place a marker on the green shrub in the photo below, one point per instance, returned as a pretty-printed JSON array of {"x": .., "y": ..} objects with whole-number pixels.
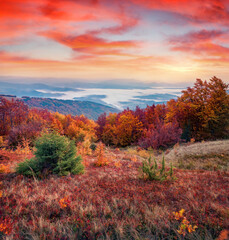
[
  {"x": 28, "y": 168},
  {"x": 150, "y": 170},
  {"x": 54, "y": 154}
]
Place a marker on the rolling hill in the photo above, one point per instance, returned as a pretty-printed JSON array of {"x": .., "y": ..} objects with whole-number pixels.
[{"x": 89, "y": 109}]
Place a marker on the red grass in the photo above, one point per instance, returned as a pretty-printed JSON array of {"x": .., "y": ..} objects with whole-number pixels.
[{"x": 112, "y": 202}]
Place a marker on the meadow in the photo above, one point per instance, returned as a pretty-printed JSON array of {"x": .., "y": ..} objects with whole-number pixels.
[{"x": 113, "y": 201}]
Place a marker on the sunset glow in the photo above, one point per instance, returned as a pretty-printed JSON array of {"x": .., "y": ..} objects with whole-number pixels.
[{"x": 170, "y": 41}]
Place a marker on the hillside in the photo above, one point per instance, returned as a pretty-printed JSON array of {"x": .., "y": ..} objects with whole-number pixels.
[
  {"x": 113, "y": 201},
  {"x": 89, "y": 109}
]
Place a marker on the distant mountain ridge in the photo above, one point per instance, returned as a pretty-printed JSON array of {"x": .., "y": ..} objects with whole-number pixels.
[
  {"x": 89, "y": 109},
  {"x": 115, "y": 94},
  {"x": 22, "y": 89}
]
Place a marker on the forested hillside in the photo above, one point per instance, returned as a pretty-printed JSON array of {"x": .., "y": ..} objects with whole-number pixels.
[
  {"x": 89, "y": 109},
  {"x": 201, "y": 113}
]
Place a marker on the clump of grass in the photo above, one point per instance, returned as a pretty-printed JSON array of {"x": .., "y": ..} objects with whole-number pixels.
[
  {"x": 151, "y": 171},
  {"x": 139, "y": 152}
]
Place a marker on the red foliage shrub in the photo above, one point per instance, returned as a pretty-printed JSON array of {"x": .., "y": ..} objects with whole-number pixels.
[
  {"x": 19, "y": 134},
  {"x": 162, "y": 135},
  {"x": 101, "y": 122},
  {"x": 12, "y": 113}
]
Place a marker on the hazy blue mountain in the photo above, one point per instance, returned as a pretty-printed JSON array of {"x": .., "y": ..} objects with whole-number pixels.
[
  {"x": 112, "y": 93},
  {"x": 89, "y": 109},
  {"x": 31, "y": 90},
  {"x": 158, "y": 96}
]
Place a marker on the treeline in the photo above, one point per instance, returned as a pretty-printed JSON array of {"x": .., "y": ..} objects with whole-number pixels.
[
  {"x": 201, "y": 113},
  {"x": 19, "y": 124}
]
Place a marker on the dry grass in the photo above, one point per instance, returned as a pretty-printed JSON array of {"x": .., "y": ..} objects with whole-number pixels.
[
  {"x": 142, "y": 153},
  {"x": 204, "y": 155}
]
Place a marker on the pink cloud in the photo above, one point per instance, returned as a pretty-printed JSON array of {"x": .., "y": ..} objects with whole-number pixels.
[
  {"x": 202, "y": 44},
  {"x": 215, "y": 11}
]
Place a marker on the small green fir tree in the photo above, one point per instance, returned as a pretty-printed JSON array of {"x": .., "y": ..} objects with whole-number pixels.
[{"x": 54, "y": 154}]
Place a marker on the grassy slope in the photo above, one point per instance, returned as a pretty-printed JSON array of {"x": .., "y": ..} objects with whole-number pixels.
[
  {"x": 112, "y": 202},
  {"x": 205, "y": 155}
]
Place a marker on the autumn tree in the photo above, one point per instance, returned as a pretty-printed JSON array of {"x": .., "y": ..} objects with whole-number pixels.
[
  {"x": 35, "y": 122},
  {"x": 109, "y": 130},
  {"x": 12, "y": 113},
  {"x": 162, "y": 135},
  {"x": 203, "y": 110},
  {"x": 77, "y": 128},
  {"x": 218, "y": 109},
  {"x": 151, "y": 116},
  {"x": 129, "y": 129},
  {"x": 101, "y": 122},
  {"x": 141, "y": 115}
]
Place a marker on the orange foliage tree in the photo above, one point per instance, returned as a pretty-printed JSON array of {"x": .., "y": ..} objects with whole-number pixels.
[
  {"x": 107, "y": 131},
  {"x": 120, "y": 129},
  {"x": 129, "y": 129},
  {"x": 202, "y": 111}
]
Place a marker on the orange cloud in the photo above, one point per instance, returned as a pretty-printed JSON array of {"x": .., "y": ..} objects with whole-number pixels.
[
  {"x": 91, "y": 44},
  {"x": 102, "y": 68},
  {"x": 7, "y": 57}
]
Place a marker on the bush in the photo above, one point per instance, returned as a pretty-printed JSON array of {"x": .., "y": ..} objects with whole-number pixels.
[
  {"x": 19, "y": 134},
  {"x": 101, "y": 159},
  {"x": 54, "y": 154},
  {"x": 151, "y": 171},
  {"x": 28, "y": 168},
  {"x": 162, "y": 136}
]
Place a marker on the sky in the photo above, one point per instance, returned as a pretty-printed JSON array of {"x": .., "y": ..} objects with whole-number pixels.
[{"x": 165, "y": 41}]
